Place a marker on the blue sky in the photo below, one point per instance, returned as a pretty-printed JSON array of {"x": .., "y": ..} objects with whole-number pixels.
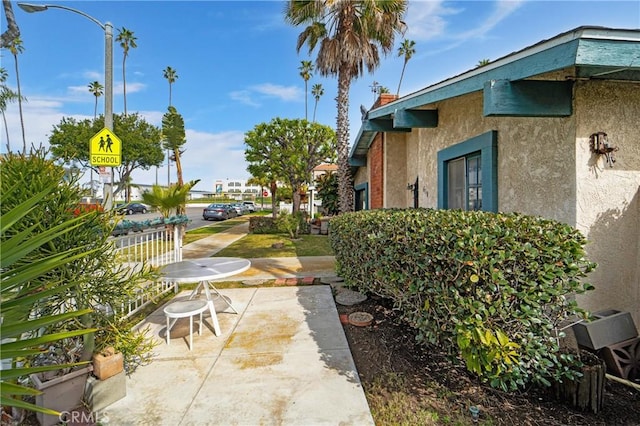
[{"x": 237, "y": 65}]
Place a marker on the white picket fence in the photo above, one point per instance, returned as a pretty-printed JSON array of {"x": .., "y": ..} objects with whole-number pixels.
[{"x": 154, "y": 248}]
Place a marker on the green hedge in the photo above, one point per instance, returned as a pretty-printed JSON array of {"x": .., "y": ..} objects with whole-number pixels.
[{"x": 489, "y": 288}]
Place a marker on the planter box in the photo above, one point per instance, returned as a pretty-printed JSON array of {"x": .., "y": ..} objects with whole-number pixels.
[
  {"x": 608, "y": 328},
  {"x": 62, "y": 393},
  {"x": 99, "y": 394}
]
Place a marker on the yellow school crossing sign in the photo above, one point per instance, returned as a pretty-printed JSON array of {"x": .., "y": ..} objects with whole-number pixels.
[{"x": 105, "y": 149}]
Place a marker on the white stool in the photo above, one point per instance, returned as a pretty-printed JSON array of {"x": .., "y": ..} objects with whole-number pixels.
[{"x": 183, "y": 309}]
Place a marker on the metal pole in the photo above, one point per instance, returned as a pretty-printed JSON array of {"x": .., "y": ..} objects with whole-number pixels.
[{"x": 108, "y": 98}]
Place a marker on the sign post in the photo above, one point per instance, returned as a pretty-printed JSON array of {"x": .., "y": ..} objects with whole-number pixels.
[{"x": 105, "y": 149}]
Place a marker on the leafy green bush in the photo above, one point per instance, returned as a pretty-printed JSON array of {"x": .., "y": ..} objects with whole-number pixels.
[
  {"x": 262, "y": 225},
  {"x": 489, "y": 288}
]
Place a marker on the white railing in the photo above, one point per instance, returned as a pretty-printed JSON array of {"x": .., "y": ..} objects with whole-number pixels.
[{"x": 155, "y": 248}]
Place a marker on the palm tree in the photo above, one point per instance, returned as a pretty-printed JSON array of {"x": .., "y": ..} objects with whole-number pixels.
[
  {"x": 98, "y": 90},
  {"x": 127, "y": 41},
  {"x": 406, "y": 49},
  {"x": 316, "y": 91},
  {"x": 306, "y": 68},
  {"x": 15, "y": 47},
  {"x": 350, "y": 35},
  {"x": 482, "y": 63},
  {"x": 171, "y": 75},
  {"x": 6, "y": 95}
]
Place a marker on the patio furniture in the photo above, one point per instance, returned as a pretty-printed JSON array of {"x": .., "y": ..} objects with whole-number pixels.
[
  {"x": 183, "y": 309},
  {"x": 204, "y": 271}
]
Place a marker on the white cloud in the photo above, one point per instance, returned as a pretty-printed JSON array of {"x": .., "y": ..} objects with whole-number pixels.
[
  {"x": 286, "y": 93},
  {"x": 244, "y": 97},
  {"x": 426, "y": 20},
  {"x": 209, "y": 156}
]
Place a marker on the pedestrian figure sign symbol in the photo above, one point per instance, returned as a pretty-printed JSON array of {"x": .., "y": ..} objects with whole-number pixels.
[{"x": 105, "y": 149}]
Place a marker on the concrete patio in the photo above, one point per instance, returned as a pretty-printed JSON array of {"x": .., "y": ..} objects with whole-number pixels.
[{"x": 282, "y": 360}]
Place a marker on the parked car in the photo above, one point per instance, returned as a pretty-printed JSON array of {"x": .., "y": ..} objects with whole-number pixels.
[
  {"x": 250, "y": 206},
  {"x": 132, "y": 208},
  {"x": 217, "y": 212},
  {"x": 233, "y": 212},
  {"x": 240, "y": 208}
]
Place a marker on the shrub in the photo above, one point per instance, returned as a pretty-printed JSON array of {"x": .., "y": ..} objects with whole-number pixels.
[
  {"x": 262, "y": 225},
  {"x": 489, "y": 288}
]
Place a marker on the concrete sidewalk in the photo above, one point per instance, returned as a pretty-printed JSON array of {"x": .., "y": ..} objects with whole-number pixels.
[{"x": 282, "y": 360}]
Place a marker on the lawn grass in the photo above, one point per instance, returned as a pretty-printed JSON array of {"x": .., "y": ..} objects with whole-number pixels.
[{"x": 261, "y": 245}]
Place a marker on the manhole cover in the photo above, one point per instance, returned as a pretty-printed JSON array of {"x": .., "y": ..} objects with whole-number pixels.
[
  {"x": 360, "y": 319},
  {"x": 349, "y": 297}
]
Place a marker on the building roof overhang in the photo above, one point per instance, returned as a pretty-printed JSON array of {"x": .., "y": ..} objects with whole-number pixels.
[{"x": 587, "y": 52}]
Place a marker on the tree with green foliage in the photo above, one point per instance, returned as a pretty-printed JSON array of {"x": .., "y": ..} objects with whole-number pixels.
[
  {"x": 317, "y": 91},
  {"x": 482, "y": 63},
  {"x": 171, "y": 75},
  {"x": 170, "y": 200},
  {"x": 141, "y": 143},
  {"x": 173, "y": 137},
  {"x": 6, "y": 95},
  {"x": 96, "y": 90},
  {"x": 327, "y": 187},
  {"x": 306, "y": 69},
  {"x": 350, "y": 35},
  {"x": 127, "y": 41},
  {"x": 407, "y": 49},
  {"x": 15, "y": 47},
  {"x": 289, "y": 150}
]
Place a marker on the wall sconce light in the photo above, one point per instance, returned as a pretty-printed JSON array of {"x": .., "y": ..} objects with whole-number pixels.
[
  {"x": 410, "y": 186},
  {"x": 599, "y": 145}
]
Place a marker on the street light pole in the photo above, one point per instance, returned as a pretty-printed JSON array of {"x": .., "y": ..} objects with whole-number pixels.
[{"x": 108, "y": 72}]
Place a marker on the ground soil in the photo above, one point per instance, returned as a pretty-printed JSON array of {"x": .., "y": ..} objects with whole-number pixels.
[{"x": 386, "y": 357}]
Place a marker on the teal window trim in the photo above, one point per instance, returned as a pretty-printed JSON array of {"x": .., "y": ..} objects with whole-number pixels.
[
  {"x": 364, "y": 187},
  {"x": 487, "y": 145}
]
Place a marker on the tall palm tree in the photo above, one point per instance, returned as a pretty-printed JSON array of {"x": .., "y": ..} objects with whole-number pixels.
[
  {"x": 15, "y": 47},
  {"x": 127, "y": 41},
  {"x": 306, "y": 68},
  {"x": 350, "y": 35},
  {"x": 171, "y": 75},
  {"x": 6, "y": 95},
  {"x": 316, "y": 91},
  {"x": 406, "y": 49},
  {"x": 97, "y": 90}
]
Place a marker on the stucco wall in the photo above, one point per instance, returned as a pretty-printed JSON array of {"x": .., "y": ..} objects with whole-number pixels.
[
  {"x": 545, "y": 169},
  {"x": 536, "y": 157},
  {"x": 608, "y": 202}
]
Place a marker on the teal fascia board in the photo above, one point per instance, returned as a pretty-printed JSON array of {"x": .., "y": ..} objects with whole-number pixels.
[
  {"x": 381, "y": 125},
  {"x": 487, "y": 145},
  {"x": 357, "y": 161},
  {"x": 415, "y": 118},
  {"x": 527, "y": 98}
]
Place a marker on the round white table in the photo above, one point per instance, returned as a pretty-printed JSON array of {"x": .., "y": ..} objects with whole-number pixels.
[
  {"x": 203, "y": 271},
  {"x": 183, "y": 309}
]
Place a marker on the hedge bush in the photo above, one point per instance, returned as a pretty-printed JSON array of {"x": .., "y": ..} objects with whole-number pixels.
[{"x": 489, "y": 288}]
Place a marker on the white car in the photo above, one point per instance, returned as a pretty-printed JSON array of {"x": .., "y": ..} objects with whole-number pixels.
[{"x": 250, "y": 206}]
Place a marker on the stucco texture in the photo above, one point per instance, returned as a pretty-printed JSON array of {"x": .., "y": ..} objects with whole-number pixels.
[
  {"x": 608, "y": 201},
  {"x": 545, "y": 169}
]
